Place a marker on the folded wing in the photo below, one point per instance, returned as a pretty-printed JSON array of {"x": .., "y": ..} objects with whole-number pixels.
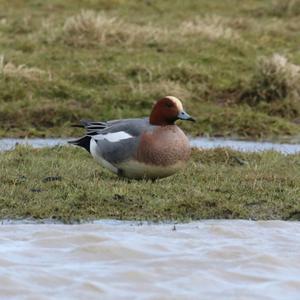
[{"x": 113, "y": 141}]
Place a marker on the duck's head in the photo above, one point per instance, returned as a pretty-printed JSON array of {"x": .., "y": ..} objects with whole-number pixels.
[{"x": 167, "y": 110}]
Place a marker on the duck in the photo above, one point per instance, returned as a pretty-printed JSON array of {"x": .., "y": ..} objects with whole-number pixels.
[{"x": 153, "y": 147}]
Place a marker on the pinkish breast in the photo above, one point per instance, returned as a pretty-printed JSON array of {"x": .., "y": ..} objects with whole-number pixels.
[{"x": 165, "y": 146}]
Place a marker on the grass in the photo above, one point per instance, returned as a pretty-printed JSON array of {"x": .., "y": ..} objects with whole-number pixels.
[
  {"x": 276, "y": 78},
  {"x": 64, "y": 183},
  {"x": 233, "y": 63}
]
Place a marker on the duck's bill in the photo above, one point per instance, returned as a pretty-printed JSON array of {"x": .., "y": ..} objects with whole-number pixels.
[{"x": 185, "y": 116}]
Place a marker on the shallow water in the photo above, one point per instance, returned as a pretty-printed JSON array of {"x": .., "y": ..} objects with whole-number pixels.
[
  {"x": 124, "y": 260},
  {"x": 206, "y": 143},
  {"x": 10, "y": 143},
  {"x": 246, "y": 146}
]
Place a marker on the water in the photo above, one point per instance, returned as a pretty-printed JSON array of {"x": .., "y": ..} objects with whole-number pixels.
[
  {"x": 124, "y": 260},
  {"x": 10, "y": 143},
  {"x": 206, "y": 143},
  {"x": 246, "y": 146}
]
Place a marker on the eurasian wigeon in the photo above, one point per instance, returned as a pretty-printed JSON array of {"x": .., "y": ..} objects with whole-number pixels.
[{"x": 150, "y": 148}]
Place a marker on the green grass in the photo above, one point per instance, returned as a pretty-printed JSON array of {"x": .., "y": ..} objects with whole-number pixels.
[
  {"x": 65, "y": 183},
  {"x": 60, "y": 64}
]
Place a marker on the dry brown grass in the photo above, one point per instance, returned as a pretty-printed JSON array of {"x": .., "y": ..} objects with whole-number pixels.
[
  {"x": 92, "y": 27},
  {"x": 276, "y": 79},
  {"x": 98, "y": 26},
  {"x": 281, "y": 73},
  {"x": 9, "y": 69},
  {"x": 212, "y": 27}
]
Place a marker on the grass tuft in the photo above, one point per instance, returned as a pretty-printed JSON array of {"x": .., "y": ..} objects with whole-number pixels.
[
  {"x": 212, "y": 27},
  {"x": 276, "y": 79},
  {"x": 90, "y": 27},
  {"x": 8, "y": 69}
]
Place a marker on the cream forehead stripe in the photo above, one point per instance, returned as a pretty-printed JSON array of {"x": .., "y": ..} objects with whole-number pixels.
[{"x": 176, "y": 101}]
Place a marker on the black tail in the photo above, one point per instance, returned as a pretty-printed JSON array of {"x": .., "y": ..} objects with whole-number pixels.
[
  {"x": 90, "y": 125},
  {"x": 83, "y": 124},
  {"x": 83, "y": 142}
]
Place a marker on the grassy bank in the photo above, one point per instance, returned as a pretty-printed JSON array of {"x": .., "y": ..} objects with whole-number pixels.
[
  {"x": 235, "y": 64},
  {"x": 65, "y": 183}
]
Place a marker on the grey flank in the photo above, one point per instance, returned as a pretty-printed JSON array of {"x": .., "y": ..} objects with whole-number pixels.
[{"x": 118, "y": 151}]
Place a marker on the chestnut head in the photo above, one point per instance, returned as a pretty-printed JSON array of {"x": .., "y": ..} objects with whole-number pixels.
[{"x": 167, "y": 110}]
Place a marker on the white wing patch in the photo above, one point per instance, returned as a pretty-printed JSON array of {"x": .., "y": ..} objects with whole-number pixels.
[{"x": 113, "y": 137}]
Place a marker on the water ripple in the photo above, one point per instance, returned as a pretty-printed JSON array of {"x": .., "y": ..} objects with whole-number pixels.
[{"x": 108, "y": 260}]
